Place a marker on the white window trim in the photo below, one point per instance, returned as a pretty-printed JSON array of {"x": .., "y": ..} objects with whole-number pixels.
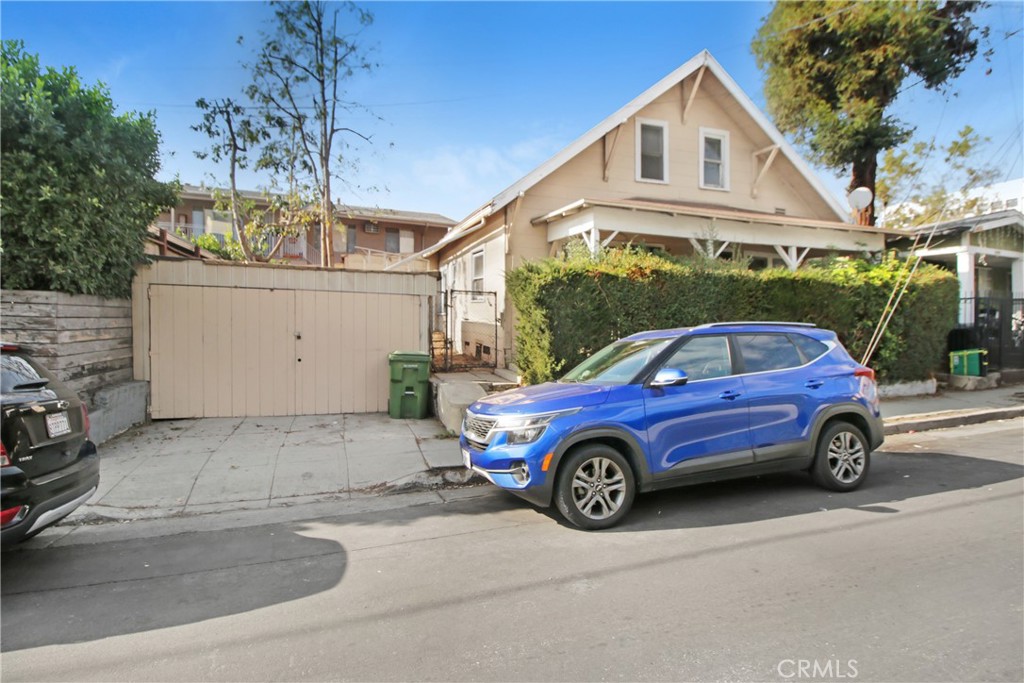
[
  {"x": 474, "y": 276},
  {"x": 640, "y": 123},
  {"x": 722, "y": 135}
]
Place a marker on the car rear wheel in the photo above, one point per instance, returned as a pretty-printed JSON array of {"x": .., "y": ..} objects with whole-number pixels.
[
  {"x": 595, "y": 487},
  {"x": 843, "y": 458}
]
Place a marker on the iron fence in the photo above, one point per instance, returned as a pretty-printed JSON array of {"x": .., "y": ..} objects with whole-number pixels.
[{"x": 995, "y": 324}]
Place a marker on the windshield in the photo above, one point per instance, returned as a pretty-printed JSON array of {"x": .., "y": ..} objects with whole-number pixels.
[{"x": 617, "y": 363}]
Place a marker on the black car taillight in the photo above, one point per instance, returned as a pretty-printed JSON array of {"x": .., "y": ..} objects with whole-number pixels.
[
  {"x": 11, "y": 514},
  {"x": 85, "y": 420},
  {"x": 4, "y": 460}
]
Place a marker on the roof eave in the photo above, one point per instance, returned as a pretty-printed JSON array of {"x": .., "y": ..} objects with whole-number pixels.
[{"x": 703, "y": 58}]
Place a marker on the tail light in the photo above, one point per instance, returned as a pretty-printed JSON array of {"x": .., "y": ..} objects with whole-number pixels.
[
  {"x": 10, "y": 514},
  {"x": 85, "y": 420},
  {"x": 4, "y": 459},
  {"x": 864, "y": 372}
]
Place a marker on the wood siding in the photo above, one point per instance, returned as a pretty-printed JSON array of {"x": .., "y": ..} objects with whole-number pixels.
[
  {"x": 225, "y": 340},
  {"x": 85, "y": 340}
]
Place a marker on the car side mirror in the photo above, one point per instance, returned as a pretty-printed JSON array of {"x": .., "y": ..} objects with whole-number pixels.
[{"x": 669, "y": 377}]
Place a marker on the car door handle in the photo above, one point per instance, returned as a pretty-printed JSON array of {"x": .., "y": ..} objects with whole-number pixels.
[
  {"x": 729, "y": 395},
  {"x": 814, "y": 383}
]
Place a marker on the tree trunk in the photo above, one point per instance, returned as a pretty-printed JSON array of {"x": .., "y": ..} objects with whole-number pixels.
[
  {"x": 864, "y": 171},
  {"x": 326, "y": 226},
  {"x": 236, "y": 222}
]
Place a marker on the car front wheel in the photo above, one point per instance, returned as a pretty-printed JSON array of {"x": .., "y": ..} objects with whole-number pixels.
[
  {"x": 842, "y": 459},
  {"x": 595, "y": 487}
]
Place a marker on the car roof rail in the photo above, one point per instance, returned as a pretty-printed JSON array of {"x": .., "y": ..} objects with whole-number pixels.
[{"x": 772, "y": 323}]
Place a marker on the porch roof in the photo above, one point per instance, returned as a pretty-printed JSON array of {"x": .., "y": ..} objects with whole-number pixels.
[
  {"x": 709, "y": 211},
  {"x": 988, "y": 221}
]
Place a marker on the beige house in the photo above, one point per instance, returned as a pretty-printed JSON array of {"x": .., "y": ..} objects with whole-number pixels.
[{"x": 691, "y": 158}]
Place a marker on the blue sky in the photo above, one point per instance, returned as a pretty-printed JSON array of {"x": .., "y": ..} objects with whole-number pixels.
[{"x": 472, "y": 95}]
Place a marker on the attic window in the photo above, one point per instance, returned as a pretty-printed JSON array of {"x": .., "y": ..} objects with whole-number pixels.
[
  {"x": 780, "y": 211},
  {"x": 714, "y": 159},
  {"x": 1010, "y": 203},
  {"x": 651, "y": 151}
]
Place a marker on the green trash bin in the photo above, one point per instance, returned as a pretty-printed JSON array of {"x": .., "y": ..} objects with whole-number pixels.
[
  {"x": 971, "y": 362},
  {"x": 410, "y": 385}
]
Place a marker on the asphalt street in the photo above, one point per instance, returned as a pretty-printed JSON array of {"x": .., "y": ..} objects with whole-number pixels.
[{"x": 916, "y": 576}]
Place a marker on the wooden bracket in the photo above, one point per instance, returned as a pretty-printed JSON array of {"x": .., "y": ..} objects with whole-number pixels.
[
  {"x": 609, "y": 147},
  {"x": 693, "y": 92},
  {"x": 772, "y": 151}
]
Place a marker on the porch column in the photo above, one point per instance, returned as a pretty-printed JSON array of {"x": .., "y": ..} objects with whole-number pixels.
[
  {"x": 1017, "y": 278},
  {"x": 791, "y": 256},
  {"x": 965, "y": 274}
]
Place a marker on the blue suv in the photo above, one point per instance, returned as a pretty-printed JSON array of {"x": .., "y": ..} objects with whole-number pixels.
[{"x": 674, "y": 407}]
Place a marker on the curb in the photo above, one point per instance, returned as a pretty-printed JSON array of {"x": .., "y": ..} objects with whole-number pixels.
[{"x": 947, "y": 419}]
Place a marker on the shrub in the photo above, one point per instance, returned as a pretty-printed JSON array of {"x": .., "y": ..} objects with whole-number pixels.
[
  {"x": 77, "y": 187},
  {"x": 569, "y": 308}
]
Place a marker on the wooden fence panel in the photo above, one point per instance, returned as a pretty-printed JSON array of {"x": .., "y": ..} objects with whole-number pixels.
[{"x": 85, "y": 340}]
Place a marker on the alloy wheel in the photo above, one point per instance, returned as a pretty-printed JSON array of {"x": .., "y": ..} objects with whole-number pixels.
[
  {"x": 598, "y": 488},
  {"x": 846, "y": 457}
]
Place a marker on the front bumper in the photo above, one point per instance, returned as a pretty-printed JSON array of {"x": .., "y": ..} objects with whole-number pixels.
[
  {"x": 499, "y": 461},
  {"x": 48, "y": 498}
]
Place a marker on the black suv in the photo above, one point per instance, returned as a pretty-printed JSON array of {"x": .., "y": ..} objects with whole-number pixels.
[{"x": 49, "y": 465}]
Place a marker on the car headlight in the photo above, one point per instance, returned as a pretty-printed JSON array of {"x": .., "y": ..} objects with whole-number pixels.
[{"x": 527, "y": 428}]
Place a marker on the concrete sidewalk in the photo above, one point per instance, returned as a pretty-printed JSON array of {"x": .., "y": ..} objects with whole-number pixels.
[
  {"x": 190, "y": 467},
  {"x": 180, "y": 467}
]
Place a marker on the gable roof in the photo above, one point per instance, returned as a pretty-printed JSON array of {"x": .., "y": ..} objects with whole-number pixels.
[{"x": 702, "y": 59}]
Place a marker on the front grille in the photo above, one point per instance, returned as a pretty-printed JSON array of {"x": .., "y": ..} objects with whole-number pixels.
[{"x": 477, "y": 428}]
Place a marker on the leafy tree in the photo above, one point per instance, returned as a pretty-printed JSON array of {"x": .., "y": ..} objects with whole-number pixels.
[
  {"x": 233, "y": 134},
  {"x": 910, "y": 196},
  {"x": 77, "y": 187},
  {"x": 298, "y": 79},
  {"x": 834, "y": 68},
  {"x": 231, "y": 250}
]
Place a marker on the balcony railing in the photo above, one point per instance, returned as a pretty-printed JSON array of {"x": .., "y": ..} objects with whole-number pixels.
[
  {"x": 373, "y": 259},
  {"x": 187, "y": 230}
]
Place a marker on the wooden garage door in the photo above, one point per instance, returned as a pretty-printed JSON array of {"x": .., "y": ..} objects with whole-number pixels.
[{"x": 231, "y": 352}]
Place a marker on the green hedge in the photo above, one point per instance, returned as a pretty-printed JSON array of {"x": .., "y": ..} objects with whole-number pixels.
[
  {"x": 567, "y": 309},
  {"x": 77, "y": 181}
]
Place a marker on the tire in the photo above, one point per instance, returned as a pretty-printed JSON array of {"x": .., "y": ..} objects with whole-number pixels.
[
  {"x": 843, "y": 458},
  {"x": 595, "y": 487}
]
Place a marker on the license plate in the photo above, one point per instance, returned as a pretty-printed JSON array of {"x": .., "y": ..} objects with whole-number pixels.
[
  {"x": 57, "y": 424},
  {"x": 465, "y": 458}
]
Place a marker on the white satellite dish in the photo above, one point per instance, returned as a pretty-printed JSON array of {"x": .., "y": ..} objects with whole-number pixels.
[{"x": 859, "y": 198}]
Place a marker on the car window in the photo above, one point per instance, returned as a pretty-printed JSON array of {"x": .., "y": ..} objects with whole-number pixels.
[
  {"x": 763, "y": 352},
  {"x": 15, "y": 371},
  {"x": 702, "y": 358},
  {"x": 811, "y": 348},
  {"x": 617, "y": 363}
]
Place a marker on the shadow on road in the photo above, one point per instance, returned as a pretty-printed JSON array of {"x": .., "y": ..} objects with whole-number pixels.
[
  {"x": 894, "y": 477},
  {"x": 145, "y": 584},
  {"x": 153, "y": 583}
]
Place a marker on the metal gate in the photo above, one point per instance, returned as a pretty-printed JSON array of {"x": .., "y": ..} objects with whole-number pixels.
[
  {"x": 466, "y": 332},
  {"x": 997, "y": 325}
]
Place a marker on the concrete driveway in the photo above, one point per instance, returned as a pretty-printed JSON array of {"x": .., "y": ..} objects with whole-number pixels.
[{"x": 178, "y": 467}]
